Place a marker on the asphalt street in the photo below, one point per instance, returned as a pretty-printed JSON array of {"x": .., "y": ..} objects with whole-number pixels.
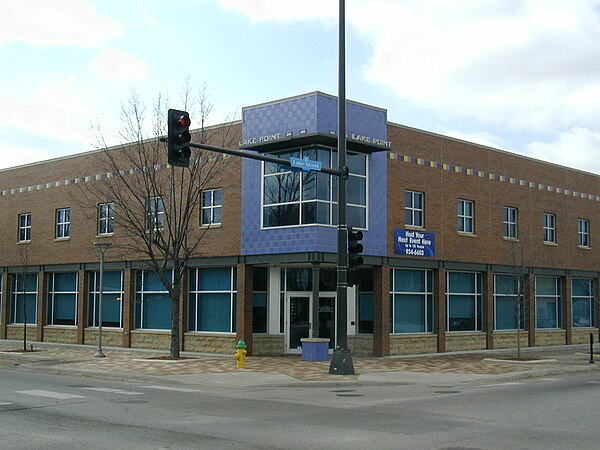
[{"x": 54, "y": 411}]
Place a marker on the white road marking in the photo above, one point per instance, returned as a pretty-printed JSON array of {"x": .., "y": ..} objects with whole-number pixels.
[
  {"x": 172, "y": 388},
  {"x": 508, "y": 383},
  {"x": 550, "y": 379},
  {"x": 112, "y": 391},
  {"x": 5, "y": 403},
  {"x": 50, "y": 394}
]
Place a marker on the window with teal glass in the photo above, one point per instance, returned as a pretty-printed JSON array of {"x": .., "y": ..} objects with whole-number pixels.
[
  {"x": 260, "y": 299},
  {"x": 62, "y": 298},
  {"x": 112, "y": 298},
  {"x": 508, "y": 302},
  {"x": 212, "y": 299},
  {"x": 547, "y": 302},
  {"x": 411, "y": 301},
  {"x": 583, "y": 302},
  {"x": 464, "y": 297},
  {"x": 153, "y": 303},
  {"x": 23, "y": 305}
]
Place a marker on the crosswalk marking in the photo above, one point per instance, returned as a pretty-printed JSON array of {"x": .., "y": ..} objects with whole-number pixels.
[
  {"x": 112, "y": 391},
  {"x": 50, "y": 394},
  {"x": 5, "y": 403},
  {"x": 172, "y": 388},
  {"x": 508, "y": 383}
]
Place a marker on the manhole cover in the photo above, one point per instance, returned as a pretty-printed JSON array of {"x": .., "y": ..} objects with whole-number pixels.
[{"x": 350, "y": 395}]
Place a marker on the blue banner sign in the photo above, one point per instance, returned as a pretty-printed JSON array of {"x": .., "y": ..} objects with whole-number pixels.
[
  {"x": 414, "y": 243},
  {"x": 305, "y": 164}
]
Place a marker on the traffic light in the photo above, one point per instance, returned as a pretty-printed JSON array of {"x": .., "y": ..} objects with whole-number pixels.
[
  {"x": 355, "y": 248},
  {"x": 178, "y": 138}
]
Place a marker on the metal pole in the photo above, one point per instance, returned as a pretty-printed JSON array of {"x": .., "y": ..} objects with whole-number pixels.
[
  {"x": 102, "y": 248},
  {"x": 341, "y": 361}
]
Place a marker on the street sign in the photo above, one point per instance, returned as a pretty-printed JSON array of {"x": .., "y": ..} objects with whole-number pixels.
[{"x": 306, "y": 164}]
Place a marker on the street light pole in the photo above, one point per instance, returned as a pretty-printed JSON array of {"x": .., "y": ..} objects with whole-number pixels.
[{"x": 101, "y": 247}]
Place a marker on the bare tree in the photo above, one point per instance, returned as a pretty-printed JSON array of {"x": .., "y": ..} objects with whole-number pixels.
[{"x": 156, "y": 205}]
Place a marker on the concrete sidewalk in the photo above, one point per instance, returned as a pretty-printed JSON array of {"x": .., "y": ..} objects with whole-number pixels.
[{"x": 219, "y": 370}]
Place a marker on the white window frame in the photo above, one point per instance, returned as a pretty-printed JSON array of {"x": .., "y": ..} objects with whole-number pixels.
[
  {"x": 476, "y": 296},
  {"x": 549, "y": 228},
  {"x": 106, "y": 219},
  {"x": 583, "y": 233},
  {"x": 52, "y": 292},
  {"x": 155, "y": 213},
  {"x": 95, "y": 294},
  {"x": 232, "y": 301},
  {"x": 24, "y": 234},
  {"x": 414, "y": 212},
  {"x": 211, "y": 207},
  {"x": 466, "y": 221},
  {"x": 63, "y": 223},
  {"x": 510, "y": 220},
  {"x": 557, "y": 296}
]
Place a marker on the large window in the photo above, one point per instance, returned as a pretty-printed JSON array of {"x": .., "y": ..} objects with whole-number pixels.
[
  {"x": 112, "y": 299},
  {"x": 63, "y": 223},
  {"x": 547, "y": 302},
  {"x": 292, "y": 198},
  {"x": 62, "y": 298},
  {"x": 155, "y": 213},
  {"x": 411, "y": 295},
  {"x": 106, "y": 218},
  {"x": 25, "y": 227},
  {"x": 465, "y": 214},
  {"x": 212, "y": 300},
  {"x": 23, "y": 306},
  {"x": 583, "y": 232},
  {"x": 509, "y": 312},
  {"x": 549, "y": 228},
  {"x": 152, "y": 301},
  {"x": 211, "y": 207},
  {"x": 366, "y": 311},
  {"x": 509, "y": 222},
  {"x": 413, "y": 208},
  {"x": 260, "y": 299},
  {"x": 583, "y": 302},
  {"x": 464, "y": 294}
]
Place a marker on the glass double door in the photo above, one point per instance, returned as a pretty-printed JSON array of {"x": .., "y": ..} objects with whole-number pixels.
[{"x": 299, "y": 319}]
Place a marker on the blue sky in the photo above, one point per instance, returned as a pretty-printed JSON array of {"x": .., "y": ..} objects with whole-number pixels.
[{"x": 519, "y": 75}]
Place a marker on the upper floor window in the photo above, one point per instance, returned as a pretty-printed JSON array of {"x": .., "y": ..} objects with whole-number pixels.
[
  {"x": 509, "y": 222},
  {"x": 549, "y": 228},
  {"x": 211, "y": 207},
  {"x": 25, "y": 227},
  {"x": 63, "y": 223},
  {"x": 155, "y": 213},
  {"x": 292, "y": 198},
  {"x": 106, "y": 218},
  {"x": 583, "y": 232},
  {"x": 413, "y": 208},
  {"x": 465, "y": 210}
]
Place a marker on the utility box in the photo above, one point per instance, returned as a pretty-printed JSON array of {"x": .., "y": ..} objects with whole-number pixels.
[{"x": 315, "y": 349}]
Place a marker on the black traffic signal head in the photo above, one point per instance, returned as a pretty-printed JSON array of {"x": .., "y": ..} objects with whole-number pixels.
[
  {"x": 178, "y": 138},
  {"x": 355, "y": 248}
]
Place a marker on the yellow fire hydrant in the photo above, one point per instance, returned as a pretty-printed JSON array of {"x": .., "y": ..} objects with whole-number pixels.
[{"x": 240, "y": 354}]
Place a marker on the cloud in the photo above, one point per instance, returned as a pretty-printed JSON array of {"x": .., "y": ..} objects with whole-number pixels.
[
  {"x": 573, "y": 148},
  {"x": 45, "y": 23},
  {"x": 283, "y": 11},
  {"x": 116, "y": 64},
  {"x": 482, "y": 138},
  {"x": 19, "y": 155}
]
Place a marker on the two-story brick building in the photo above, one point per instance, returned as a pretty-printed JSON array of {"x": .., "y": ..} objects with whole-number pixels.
[{"x": 455, "y": 235}]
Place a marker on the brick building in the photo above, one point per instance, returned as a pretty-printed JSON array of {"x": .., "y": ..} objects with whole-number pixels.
[{"x": 464, "y": 244}]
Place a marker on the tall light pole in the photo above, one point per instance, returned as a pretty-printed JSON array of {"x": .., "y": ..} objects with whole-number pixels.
[
  {"x": 101, "y": 247},
  {"x": 341, "y": 360}
]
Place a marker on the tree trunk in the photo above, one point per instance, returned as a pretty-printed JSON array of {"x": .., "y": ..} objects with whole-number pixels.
[{"x": 175, "y": 327}]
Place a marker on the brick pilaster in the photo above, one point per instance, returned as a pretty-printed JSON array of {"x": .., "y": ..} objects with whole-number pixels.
[
  {"x": 41, "y": 306},
  {"x": 567, "y": 309},
  {"x": 128, "y": 300},
  {"x": 381, "y": 311},
  {"x": 5, "y": 292},
  {"x": 439, "y": 308},
  {"x": 82, "y": 305},
  {"x": 530, "y": 313},
  {"x": 488, "y": 309},
  {"x": 244, "y": 304}
]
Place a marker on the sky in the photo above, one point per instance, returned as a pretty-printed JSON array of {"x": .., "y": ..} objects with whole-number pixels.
[{"x": 518, "y": 75}]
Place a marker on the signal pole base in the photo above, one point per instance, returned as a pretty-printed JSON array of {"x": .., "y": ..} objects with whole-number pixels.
[{"x": 341, "y": 362}]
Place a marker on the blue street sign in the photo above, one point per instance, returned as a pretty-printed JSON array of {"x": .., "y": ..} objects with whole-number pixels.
[
  {"x": 306, "y": 164},
  {"x": 414, "y": 243}
]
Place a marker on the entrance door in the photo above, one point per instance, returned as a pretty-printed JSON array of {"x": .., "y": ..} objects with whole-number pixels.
[
  {"x": 299, "y": 322},
  {"x": 327, "y": 319}
]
